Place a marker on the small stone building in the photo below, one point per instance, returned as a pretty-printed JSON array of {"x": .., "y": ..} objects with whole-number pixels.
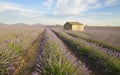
[{"x": 76, "y": 26}]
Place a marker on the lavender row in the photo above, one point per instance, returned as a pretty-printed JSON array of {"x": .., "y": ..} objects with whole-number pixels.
[
  {"x": 106, "y": 34},
  {"x": 97, "y": 46},
  {"x": 27, "y": 60},
  {"x": 56, "y": 59},
  {"x": 101, "y": 43},
  {"x": 12, "y": 49},
  {"x": 70, "y": 56},
  {"x": 97, "y": 59},
  {"x": 110, "y": 36}
]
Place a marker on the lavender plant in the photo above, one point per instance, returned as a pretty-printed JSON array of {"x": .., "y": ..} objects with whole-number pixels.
[
  {"x": 106, "y": 63},
  {"x": 102, "y": 43},
  {"x": 55, "y": 61},
  {"x": 11, "y": 49},
  {"x": 99, "y": 46}
]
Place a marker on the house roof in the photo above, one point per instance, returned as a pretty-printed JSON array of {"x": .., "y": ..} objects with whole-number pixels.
[{"x": 75, "y": 23}]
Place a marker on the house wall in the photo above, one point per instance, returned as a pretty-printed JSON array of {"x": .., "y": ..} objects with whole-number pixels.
[
  {"x": 74, "y": 27},
  {"x": 67, "y": 27},
  {"x": 78, "y": 27}
]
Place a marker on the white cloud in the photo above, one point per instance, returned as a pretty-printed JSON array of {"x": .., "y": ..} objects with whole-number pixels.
[
  {"x": 111, "y": 2},
  {"x": 92, "y": 1},
  {"x": 105, "y": 3},
  {"x": 98, "y": 14},
  {"x": 48, "y": 3},
  {"x": 6, "y": 6},
  {"x": 66, "y": 7},
  {"x": 65, "y": 10},
  {"x": 18, "y": 9},
  {"x": 70, "y": 6},
  {"x": 98, "y": 5}
]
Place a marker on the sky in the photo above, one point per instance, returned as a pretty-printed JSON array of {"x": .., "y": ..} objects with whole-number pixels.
[{"x": 49, "y": 12}]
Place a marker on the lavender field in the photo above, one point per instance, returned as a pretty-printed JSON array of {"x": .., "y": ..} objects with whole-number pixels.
[{"x": 39, "y": 50}]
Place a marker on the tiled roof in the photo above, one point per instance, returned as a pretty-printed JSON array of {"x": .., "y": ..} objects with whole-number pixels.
[{"x": 75, "y": 23}]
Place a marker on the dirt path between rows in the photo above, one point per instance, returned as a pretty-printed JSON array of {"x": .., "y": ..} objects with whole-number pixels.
[
  {"x": 38, "y": 64},
  {"x": 27, "y": 61},
  {"x": 72, "y": 57},
  {"x": 40, "y": 59},
  {"x": 99, "y": 46},
  {"x": 39, "y": 67},
  {"x": 97, "y": 70}
]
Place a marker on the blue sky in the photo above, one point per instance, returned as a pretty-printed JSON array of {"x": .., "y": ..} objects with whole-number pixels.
[{"x": 90, "y": 12}]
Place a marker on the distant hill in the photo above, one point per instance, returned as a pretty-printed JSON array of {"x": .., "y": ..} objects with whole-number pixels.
[
  {"x": 37, "y": 24},
  {"x": 3, "y": 24},
  {"x": 21, "y": 24}
]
